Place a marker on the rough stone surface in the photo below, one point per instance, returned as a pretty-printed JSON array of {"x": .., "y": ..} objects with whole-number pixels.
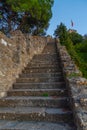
[
  {"x": 46, "y": 111},
  {"x": 15, "y": 53},
  {"x": 16, "y": 125},
  {"x": 77, "y": 87}
]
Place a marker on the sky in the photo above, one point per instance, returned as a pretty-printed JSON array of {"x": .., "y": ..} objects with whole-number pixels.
[{"x": 66, "y": 10}]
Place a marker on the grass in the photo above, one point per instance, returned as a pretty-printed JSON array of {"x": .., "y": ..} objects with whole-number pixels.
[
  {"x": 45, "y": 94},
  {"x": 73, "y": 75}
]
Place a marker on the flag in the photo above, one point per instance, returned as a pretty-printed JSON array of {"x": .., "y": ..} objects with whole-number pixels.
[{"x": 72, "y": 23}]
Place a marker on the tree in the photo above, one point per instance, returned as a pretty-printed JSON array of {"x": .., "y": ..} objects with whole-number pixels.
[
  {"x": 30, "y": 16},
  {"x": 76, "y": 38},
  {"x": 85, "y": 40},
  {"x": 7, "y": 16},
  {"x": 61, "y": 33},
  {"x": 85, "y": 37}
]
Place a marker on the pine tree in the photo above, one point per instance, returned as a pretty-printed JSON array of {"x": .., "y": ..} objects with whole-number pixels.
[
  {"x": 30, "y": 16},
  {"x": 61, "y": 33}
]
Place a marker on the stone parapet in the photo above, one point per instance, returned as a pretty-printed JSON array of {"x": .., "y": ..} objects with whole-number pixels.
[
  {"x": 76, "y": 86},
  {"x": 15, "y": 53}
]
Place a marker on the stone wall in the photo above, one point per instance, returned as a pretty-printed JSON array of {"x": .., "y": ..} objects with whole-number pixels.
[
  {"x": 15, "y": 53},
  {"x": 77, "y": 88}
]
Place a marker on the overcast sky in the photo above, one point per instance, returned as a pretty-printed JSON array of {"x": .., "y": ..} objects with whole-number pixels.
[{"x": 66, "y": 10}]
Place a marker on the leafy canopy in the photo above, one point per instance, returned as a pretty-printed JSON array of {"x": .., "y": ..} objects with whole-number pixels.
[
  {"x": 61, "y": 33},
  {"x": 30, "y": 16},
  {"x": 76, "y": 46},
  {"x": 76, "y": 38}
]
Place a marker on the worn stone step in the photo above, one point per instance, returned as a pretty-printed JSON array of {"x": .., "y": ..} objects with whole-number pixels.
[
  {"x": 42, "y": 66},
  {"x": 52, "y": 101},
  {"x": 36, "y": 75},
  {"x": 36, "y": 114},
  {"x": 34, "y": 125},
  {"x": 39, "y": 85},
  {"x": 45, "y": 59},
  {"x": 39, "y": 96},
  {"x": 51, "y": 61},
  {"x": 39, "y": 80},
  {"x": 45, "y": 55},
  {"x": 38, "y": 65},
  {"x": 37, "y": 92},
  {"x": 42, "y": 70},
  {"x": 55, "y": 53},
  {"x": 43, "y": 63},
  {"x": 49, "y": 49}
]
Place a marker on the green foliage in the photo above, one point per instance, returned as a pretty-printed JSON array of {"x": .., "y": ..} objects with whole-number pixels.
[
  {"x": 0, "y": 15},
  {"x": 76, "y": 38},
  {"x": 79, "y": 58},
  {"x": 61, "y": 33},
  {"x": 83, "y": 56},
  {"x": 81, "y": 47},
  {"x": 73, "y": 75},
  {"x": 38, "y": 13},
  {"x": 81, "y": 50},
  {"x": 71, "y": 51},
  {"x": 85, "y": 37},
  {"x": 45, "y": 95},
  {"x": 31, "y": 16},
  {"x": 77, "y": 50}
]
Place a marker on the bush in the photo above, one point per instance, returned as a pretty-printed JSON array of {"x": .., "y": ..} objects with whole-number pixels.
[
  {"x": 76, "y": 56},
  {"x": 81, "y": 47},
  {"x": 76, "y": 46},
  {"x": 76, "y": 38},
  {"x": 81, "y": 50}
]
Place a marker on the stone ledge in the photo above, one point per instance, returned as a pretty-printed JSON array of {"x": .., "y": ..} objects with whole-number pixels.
[{"x": 77, "y": 87}]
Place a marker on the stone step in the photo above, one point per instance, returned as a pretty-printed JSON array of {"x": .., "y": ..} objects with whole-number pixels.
[
  {"x": 46, "y": 58},
  {"x": 45, "y": 55},
  {"x": 37, "y": 75},
  {"x": 36, "y": 114},
  {"x": 42, "y": 66},
  {"x": 34, "y": 125},
  {"x": 45, "y": 70},
  {"x": 49, "y": 52},
  {"x": 50, "y": 61},
  {"x": 39, "y": 80},
  {"x": 39, "y": 85},
  {"x": 39, "y": 99},
  {"x": 42, "y": 63},
  {"x": 37, "y": 92},
  {"x": 52, "y": 101},
  {"x": 49, "y": 49},
  {"x": 38, "y": 65}
]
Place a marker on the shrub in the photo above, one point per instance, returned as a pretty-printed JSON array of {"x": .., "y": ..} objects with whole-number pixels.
[{"x": 75, "y": 55}]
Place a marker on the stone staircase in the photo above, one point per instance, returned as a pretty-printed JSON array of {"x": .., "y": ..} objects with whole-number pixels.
[{"x": 39, "y": 98}]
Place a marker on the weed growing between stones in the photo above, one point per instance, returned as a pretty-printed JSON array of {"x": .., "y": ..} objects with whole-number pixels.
[{"x": 45, "y": 94}]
